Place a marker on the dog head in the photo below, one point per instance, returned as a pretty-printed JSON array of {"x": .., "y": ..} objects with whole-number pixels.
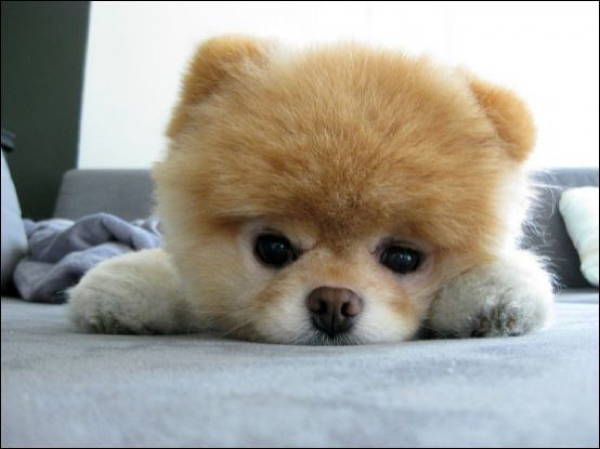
[{"x": 325, "y": 196}]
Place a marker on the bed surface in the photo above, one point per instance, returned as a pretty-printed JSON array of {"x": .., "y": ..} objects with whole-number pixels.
[{"x": 61, "y": 387}]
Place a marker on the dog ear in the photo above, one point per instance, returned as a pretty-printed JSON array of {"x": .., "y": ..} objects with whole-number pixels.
[
  {"x": 509, "y": 115},
  {"x": 214, "y": 62}
]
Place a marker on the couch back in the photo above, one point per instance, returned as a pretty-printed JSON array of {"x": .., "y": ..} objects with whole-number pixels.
[
  {"x": 125, "y": 193},
  {"x": 546, "y": 233},
  {"x": 129, "y": 194}
]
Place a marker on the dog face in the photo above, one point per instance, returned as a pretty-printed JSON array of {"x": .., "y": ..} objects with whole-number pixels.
[{"x": 326, "y": 196}]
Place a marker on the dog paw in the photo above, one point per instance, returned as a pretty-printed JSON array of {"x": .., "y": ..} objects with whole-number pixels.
[
  {"x": 509, "y": 297},
  {"x": 105, "y": 322},
  {"x": 505, "y": 319},
  {"x": 136, "y": 293},
  {"x": 105, "y": 302}
]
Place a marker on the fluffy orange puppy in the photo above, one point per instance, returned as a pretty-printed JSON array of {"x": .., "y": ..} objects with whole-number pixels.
[{"x": 337, "y": 195}]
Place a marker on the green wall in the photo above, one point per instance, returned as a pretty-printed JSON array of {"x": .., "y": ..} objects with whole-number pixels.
[{"x": 43, "y": 52}]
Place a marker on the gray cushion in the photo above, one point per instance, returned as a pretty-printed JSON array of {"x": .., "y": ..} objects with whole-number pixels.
[
  {"x": 14, "y": 240},
  {"x": 547, "y": 233},
  {"x": 64, "y": 388},
  {"x": 125, "y": 193}
]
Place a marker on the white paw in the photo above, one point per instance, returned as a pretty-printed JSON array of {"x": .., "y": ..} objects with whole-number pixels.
[
  {"x": 132, "y": 294},
  {"x": 96, "y": 305},
  {"x": 511, "y": 296}
]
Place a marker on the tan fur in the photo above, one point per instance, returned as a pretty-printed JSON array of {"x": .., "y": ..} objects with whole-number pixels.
[
  {"x": 341, "y": 146},
  {"x": 510, "y": 117},
  {"x": 214, "y": 62}
]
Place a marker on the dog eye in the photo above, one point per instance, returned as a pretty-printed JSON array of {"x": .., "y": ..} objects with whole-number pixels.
[
  {"x": 274, "y": 250},
  {"x": 400, "y": 260}
]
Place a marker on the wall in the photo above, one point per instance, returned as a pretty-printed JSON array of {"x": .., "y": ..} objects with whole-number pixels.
[
  {"x": 43, "y": 47},
  {"x": 546, "y": 51}
]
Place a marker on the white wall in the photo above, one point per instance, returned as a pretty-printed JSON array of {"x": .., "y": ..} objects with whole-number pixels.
[{"x": 546, "y": 51}]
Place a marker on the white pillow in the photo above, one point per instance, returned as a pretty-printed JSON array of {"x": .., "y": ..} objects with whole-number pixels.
[
  {"x": 579, "y": 209},
  {"x": 13, "y": 238}
]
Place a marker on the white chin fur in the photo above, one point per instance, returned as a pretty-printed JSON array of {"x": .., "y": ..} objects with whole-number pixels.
[{"x": 288, "y": 322}]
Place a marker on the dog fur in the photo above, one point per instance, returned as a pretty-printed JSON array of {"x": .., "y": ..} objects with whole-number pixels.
[{"x": 338, "y": 148}]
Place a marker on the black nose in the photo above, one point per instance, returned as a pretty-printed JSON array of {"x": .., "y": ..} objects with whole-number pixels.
[{"x": 333, "y": 310}]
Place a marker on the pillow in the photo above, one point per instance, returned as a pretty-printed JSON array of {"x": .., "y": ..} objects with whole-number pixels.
[
  {"x": 579, "y": 209},
  {"x": 14, "y": 240}
]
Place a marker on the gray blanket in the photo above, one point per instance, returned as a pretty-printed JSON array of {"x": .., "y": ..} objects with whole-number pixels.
[{"x": 61, "y": 251}]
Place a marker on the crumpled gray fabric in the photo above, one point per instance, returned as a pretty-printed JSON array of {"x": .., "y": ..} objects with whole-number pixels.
[{"x": 62, "y": 251}]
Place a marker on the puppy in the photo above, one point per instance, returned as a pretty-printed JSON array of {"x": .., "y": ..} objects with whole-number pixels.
[{"x": 339, "y": 195}]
